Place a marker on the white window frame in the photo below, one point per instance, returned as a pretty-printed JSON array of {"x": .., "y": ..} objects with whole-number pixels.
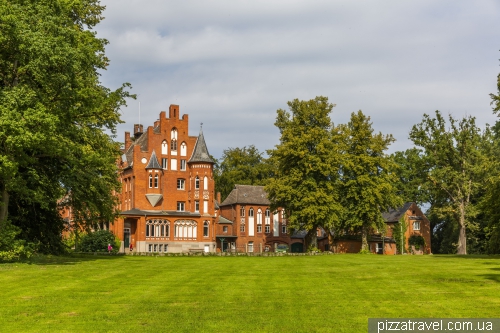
[
  {"x": 416, "y": 225},
  {"x": 181, "y": 206},
  {"x": 181, "y": 184},
  {"x": 183, "y": 165}
]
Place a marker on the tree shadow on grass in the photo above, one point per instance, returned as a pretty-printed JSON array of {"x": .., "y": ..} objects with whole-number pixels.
[{"x": 71, "y": 259}]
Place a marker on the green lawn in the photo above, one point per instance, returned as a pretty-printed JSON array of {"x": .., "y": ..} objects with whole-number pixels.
[{"x": 330, "y": 293}]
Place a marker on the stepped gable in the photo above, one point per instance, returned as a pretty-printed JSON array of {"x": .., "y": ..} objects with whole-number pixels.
[
  {"x": 394, "y": 215},
  {"x": 200, "y": 151},
  {"x": 247, "y": 194}
]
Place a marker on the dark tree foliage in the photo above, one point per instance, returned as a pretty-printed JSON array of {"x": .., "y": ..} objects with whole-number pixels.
[
  {"x": 242, "y": 166},
  {"x": 54, "y": 114}
]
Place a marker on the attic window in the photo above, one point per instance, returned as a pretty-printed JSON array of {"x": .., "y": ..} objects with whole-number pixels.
[{"x": 413, "y": 212}]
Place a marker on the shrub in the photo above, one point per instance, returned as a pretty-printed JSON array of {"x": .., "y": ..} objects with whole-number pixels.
[
  {"x": 12, "y": 248},
  {"x": 98, "y": 241}
]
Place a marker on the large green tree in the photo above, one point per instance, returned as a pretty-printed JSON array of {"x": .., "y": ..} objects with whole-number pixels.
[
  {"x": 368, "y": 177},
  {"x": 455, "y": 167},
  {"x": 306, "y": 167},
  {"x": 243, "y": 166},
  {"x": 54, "y": 112}
]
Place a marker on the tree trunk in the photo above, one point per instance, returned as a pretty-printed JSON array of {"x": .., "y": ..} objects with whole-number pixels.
[
  {"x": 311, "y": 239},
  {"x": 364, "y": 239},
  {"x": 462, "y": 237},
  {"x": 4, "y": 207}
]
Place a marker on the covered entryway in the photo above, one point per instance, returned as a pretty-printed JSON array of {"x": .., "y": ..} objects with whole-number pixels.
[{"x": 297, "y": 248}]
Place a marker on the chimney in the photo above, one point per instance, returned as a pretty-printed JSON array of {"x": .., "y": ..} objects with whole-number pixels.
[
  {"x": 138, "y": 130},
  {"x": 128, "y": 142}
]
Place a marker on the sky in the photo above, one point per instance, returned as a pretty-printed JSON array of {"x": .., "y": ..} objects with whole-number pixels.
[{"x": 231, "y": 64}]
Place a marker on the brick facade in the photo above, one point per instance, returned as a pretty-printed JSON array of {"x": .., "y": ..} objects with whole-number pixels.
[{"x": 167, "y": 199}]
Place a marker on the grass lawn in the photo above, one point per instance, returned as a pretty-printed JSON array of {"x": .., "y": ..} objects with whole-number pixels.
[{"x": 330, "y": 293}]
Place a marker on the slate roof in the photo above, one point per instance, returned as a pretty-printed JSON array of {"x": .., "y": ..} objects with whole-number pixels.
[
  {"x": 200, "y": 151},
  {"x": 247, "y": 194},
  {"x": 142, "y": 141},
  {"x": 394, "y": 215},
  {"x": 223, "y": 220},
  {"x": 153, "y": 162}
]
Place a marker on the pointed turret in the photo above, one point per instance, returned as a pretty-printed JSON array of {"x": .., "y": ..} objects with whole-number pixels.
[
  {"x": 200, "y": 151},
  {"x": 153, "y": 162}
]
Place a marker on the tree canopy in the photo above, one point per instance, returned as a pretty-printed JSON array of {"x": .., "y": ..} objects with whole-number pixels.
[
  {"x": 243, "y": 166},
  {"x": 307, "y": 167},
  {"x": 54, "y": 112},
  {"x": 368, "y": 177},
  {"x": 455, "y": 167}
]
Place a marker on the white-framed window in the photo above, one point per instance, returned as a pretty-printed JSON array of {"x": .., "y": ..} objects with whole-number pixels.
[
  {"x": 259, "y": 220},
  {"x": 416, "y": 225},
  {"x": 165, "y": 247},
  {"x": 181, "y": 184},
  {"x": 242, "y": 227},
  {"x": 224, "y": 229},
  {"x": 250, "y": 212},
  {"x": 185, "y": 229},
  {"x": 150, "y": 181},
  {"x": 173, "y": 164},
  {"x": 164, "y": 147},
  {"x": 205, "y": 229},
  {"x": 197, "y": 183},
  {"x": 242, "y": 211},
  {"x": 250, "y": 246},
  {"x": 181, "y": 206},
  {"x": 157, "y": 228},
  {"x": 196, "y": 206},
  {"x": 205, "y": 206},
  {"x": 164, "y": 163},
  {"x": 183, "y": 149},
  {"x": 283, "y": 229},
  {"x": 268, "y": 228},
  {"x": 183, "y": 165},
  {"x": 156, "y": 181},
  {"x": 205, "y": 183},
  {"x": 150, "y": 248}
]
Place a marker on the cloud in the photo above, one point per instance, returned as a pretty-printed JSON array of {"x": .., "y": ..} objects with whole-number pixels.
[{"x": 232, "y": 64}]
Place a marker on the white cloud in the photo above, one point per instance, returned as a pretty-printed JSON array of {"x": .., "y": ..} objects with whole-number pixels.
[{"x": 231, "y": 64}]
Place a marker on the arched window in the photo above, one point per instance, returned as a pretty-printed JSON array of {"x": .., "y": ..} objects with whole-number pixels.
[
  {"x": 259, "y": 220},
  {"x": 157, "y": 228},
  {"x": 205, "y": 183},
  {"x": 150, "y": 181},
  {"x": 197, "y": 183},
  {"x": 250, "y": 212},
  {"x": 173, "y": 142},
  {"x": 185, "y": 230},
  {"x": 205, "y": 229},
  {"x": 183, "y": 149},
  {"x": 164, "y": 147}
]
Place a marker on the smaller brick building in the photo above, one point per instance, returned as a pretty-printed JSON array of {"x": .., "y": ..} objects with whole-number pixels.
[{"x": 247, "y": 224}]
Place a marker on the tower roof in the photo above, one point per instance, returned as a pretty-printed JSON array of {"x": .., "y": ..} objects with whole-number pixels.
[
  {"x": 153, "y": 162},
  {"x": 200, "y": 151}
]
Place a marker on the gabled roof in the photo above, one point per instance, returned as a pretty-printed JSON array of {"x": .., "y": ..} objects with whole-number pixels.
[
  {"x": 394, "y": 215},
  {"x": 142, "y": 141},
  {"x": 247, "y": 194},
  {"x": 153, "y": 162},
  {"x": 200, "y": 151}
]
